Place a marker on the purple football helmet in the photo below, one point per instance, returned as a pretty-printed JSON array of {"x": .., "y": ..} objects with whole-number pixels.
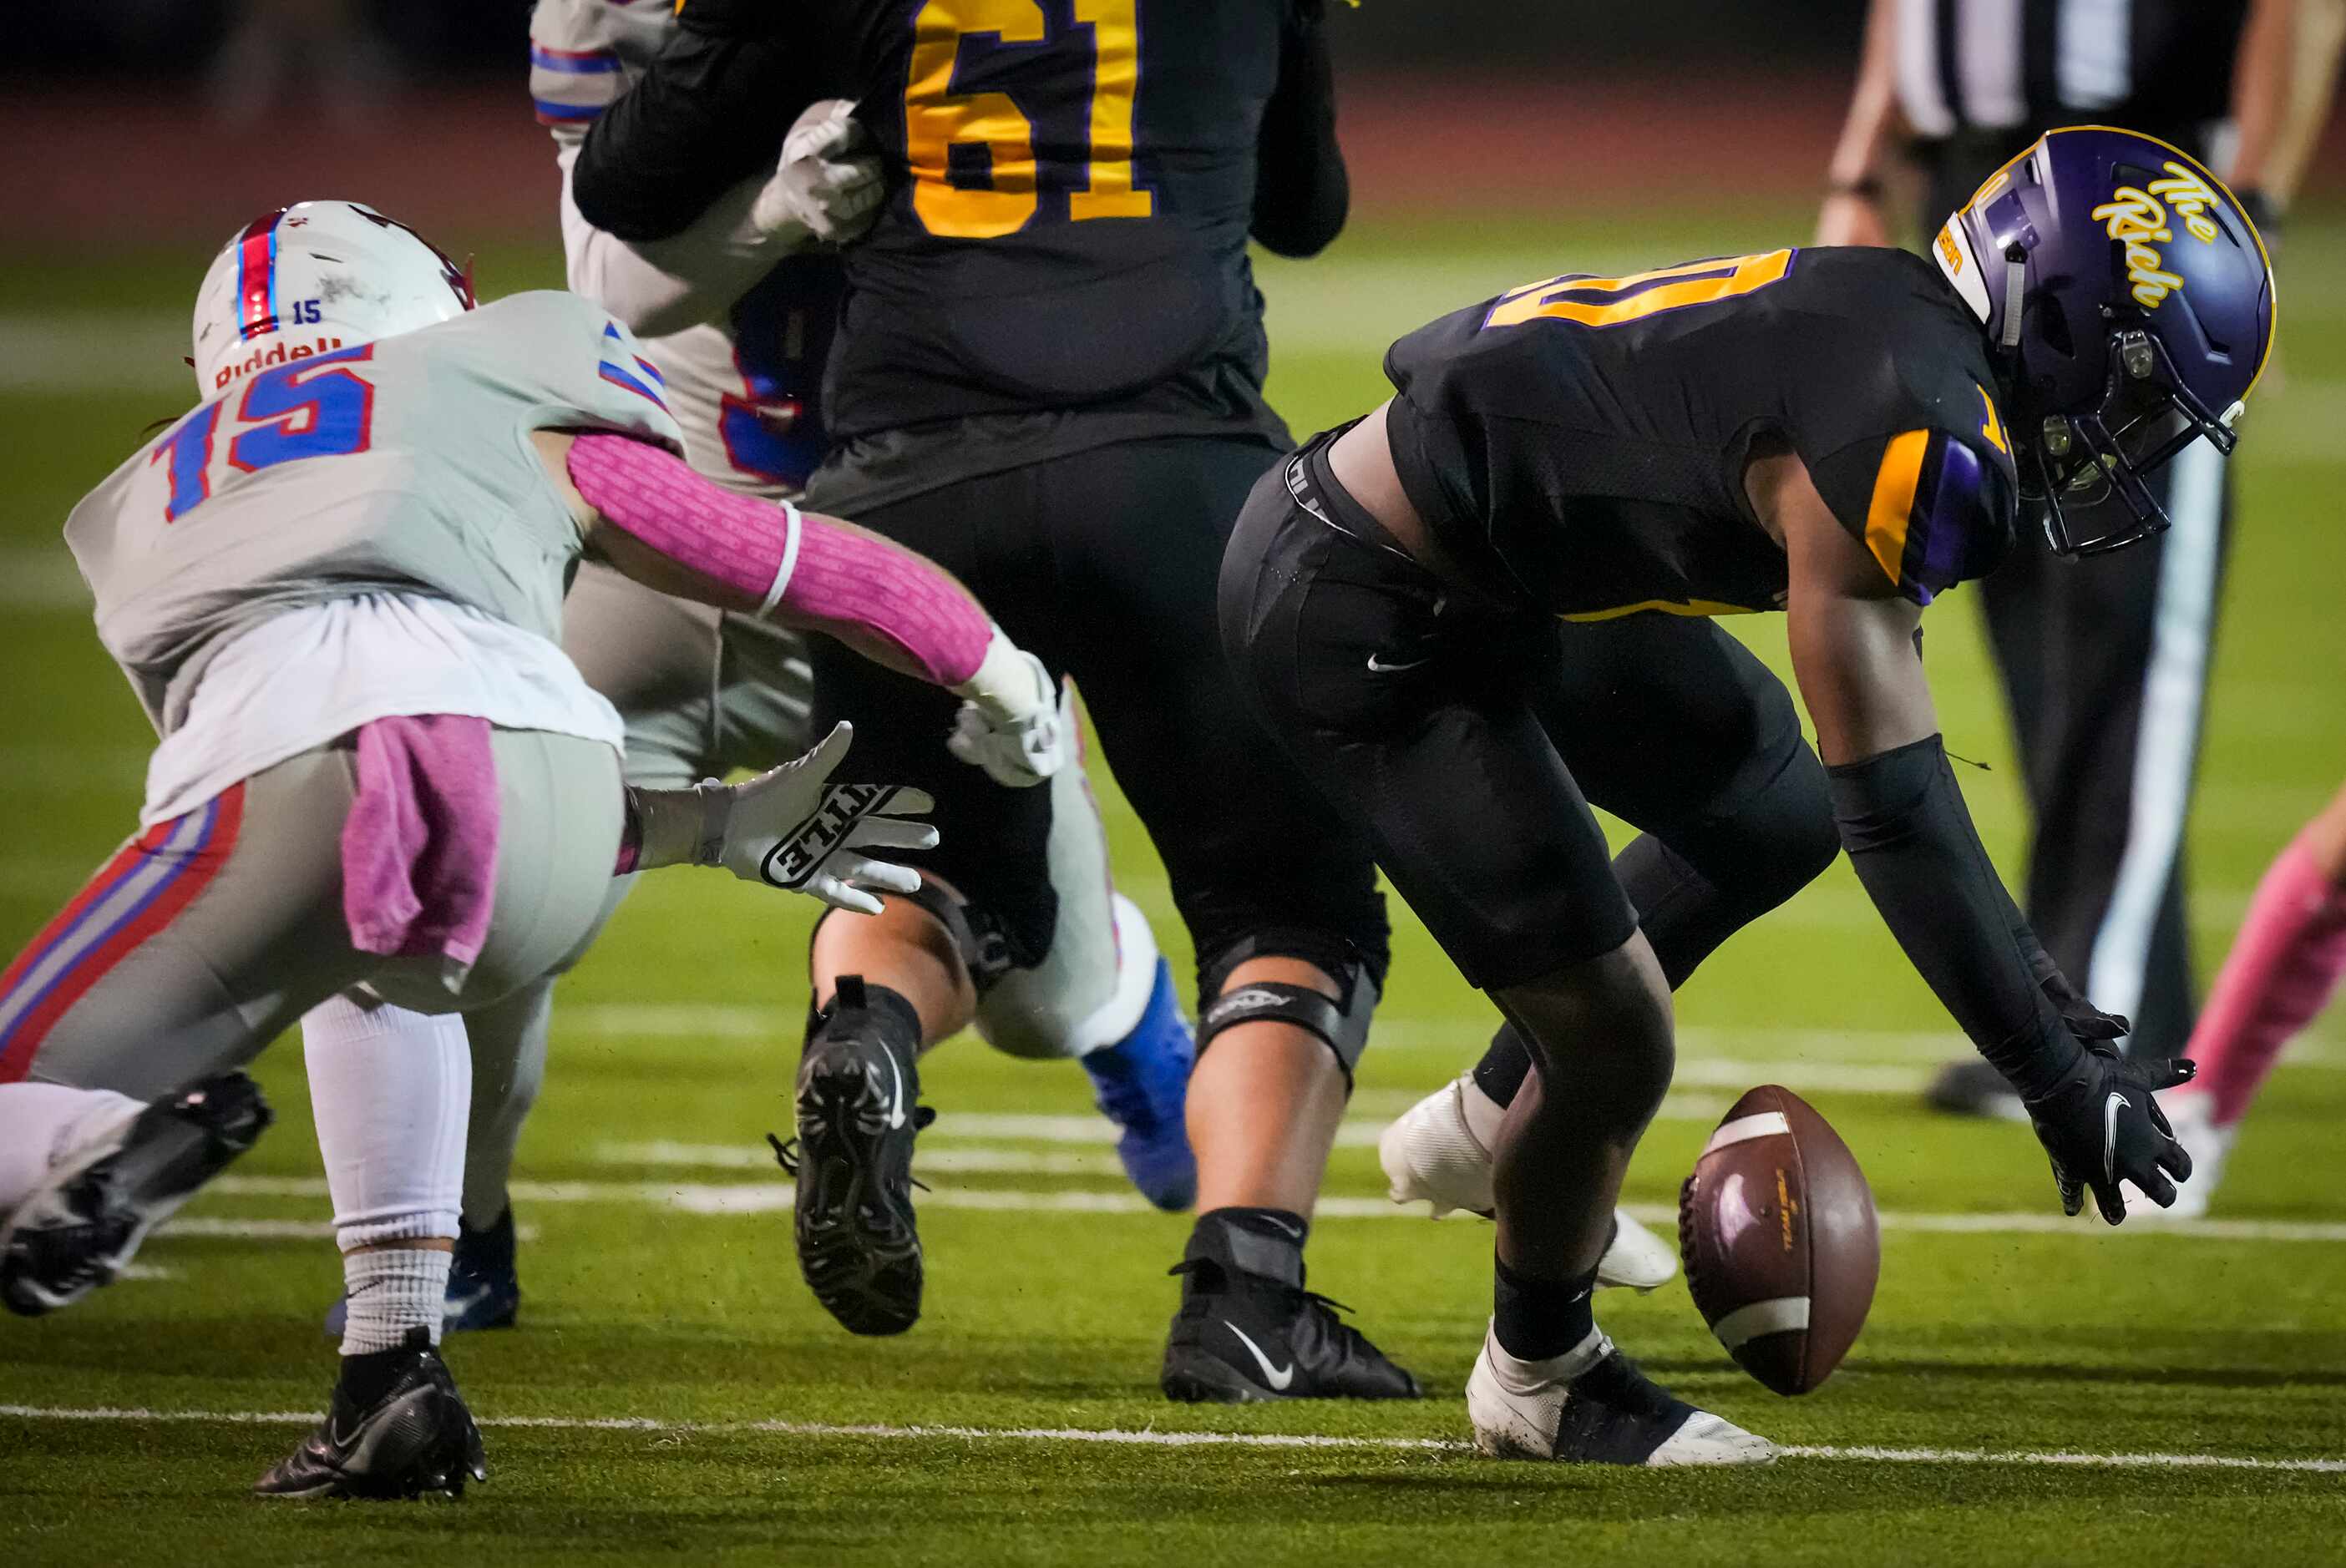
[{"x": 2129, "y": 303}]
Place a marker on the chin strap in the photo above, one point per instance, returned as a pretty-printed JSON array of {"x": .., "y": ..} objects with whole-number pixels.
[{"x": 2016, "y": 276}]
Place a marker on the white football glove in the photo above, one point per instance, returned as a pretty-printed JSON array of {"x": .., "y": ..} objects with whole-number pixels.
[
  {"x": 828, "y": 182},
  {"x": 1017, "y": 738},
  {"x": 791, "y": 827}
]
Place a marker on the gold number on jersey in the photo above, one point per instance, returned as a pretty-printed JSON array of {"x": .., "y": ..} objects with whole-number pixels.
[
  {"x": 1116, "y": 78},
  {"x": 937, "y": 118},
  {"x": 1641, "y": 294}
]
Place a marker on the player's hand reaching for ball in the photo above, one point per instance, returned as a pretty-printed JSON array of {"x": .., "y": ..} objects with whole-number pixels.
[
  {"x": 2102, "y": 1126},
  {"x": 792, "y": 827},
  {"x": 828, "y": 182}
]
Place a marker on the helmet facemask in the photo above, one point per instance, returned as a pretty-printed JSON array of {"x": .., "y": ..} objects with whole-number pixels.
[{"x": 2145, "y": 417}]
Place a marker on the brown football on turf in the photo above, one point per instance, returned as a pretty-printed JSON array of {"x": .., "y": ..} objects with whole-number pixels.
[{"x": 1777, "y": 1229}]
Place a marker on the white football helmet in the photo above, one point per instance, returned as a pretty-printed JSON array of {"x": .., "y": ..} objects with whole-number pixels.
[{"x": 314, "y": 277}]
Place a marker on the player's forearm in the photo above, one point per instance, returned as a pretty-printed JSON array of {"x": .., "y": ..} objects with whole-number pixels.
[
  {"x": 1910, "y": 840},
  {"x": 663, "y": 286},
  {"x": 700, "y": 121},
  {"x": 673, "y": 530},
  {"x": 2263, "y": 77},
  {"x": 1302, "y": 193}
]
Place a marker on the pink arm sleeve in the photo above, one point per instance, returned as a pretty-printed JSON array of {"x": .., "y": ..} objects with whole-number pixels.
[{"x": 807, "y": 568}]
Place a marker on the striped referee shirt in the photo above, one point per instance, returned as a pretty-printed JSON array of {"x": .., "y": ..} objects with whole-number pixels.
[{"x": 2159, "y": 65}]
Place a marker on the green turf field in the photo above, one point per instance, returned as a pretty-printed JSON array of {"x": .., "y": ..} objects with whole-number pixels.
[{"x": 675, "y": 1393}]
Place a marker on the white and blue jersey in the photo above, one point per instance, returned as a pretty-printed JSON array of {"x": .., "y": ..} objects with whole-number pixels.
[{"x": 747, "y": 386}]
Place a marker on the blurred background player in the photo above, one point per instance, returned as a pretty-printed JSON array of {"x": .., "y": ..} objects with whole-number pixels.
[
  {"x": 2104, "y": 662},
  {"x": 1841, "y": 434},
  {"x": 2291, "y": 950},
  {"x": 2283, "y": 970},
  {"x": 383, "y": 795},
  {"x": 737, "y": 314},
  {"x": 1049, "y": 371}
]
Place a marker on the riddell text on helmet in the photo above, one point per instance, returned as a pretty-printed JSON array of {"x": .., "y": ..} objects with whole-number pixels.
[{"x": 275, "y": 354}]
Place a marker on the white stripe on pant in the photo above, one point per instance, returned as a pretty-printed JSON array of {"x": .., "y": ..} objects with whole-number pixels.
[{"x": 2166, "y": 742}]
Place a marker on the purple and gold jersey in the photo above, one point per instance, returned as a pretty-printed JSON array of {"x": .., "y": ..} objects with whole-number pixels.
[{"x": 1582, "y": 442}]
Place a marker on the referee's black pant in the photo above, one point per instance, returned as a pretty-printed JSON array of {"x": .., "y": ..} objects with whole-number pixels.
[{"x": 2105, "y": 665}]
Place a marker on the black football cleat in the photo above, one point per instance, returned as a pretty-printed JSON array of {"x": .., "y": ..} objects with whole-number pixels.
[
  {"x": 1606, "y": 1412},
  {"x": 76, "y": 1231},
  {"x": 1240, "y": 1337},
  {"x": 857, "y": 1111},
  {"x": 415, "y": 1440}
]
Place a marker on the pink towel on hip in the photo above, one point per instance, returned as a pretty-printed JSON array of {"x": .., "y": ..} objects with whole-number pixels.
[{"x": 419, "y": 846}]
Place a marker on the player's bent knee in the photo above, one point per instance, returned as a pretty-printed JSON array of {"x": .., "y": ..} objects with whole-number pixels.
[
  {"x": 1796, "y": 818},
  {"x": 1084, "y": 994},
  {"x": 1605, "y": 1023},
  {"x": 1341, "y": 1023}
]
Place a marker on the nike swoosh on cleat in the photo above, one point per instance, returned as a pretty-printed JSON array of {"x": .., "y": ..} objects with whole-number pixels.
[
  {"x": 457, "y": 1306},
  {"x": 1382, "y": 668},
  {"x": 1277, "y": 1377},
  {"x": 896, "y": 1096},
  {"x": 2110, "y": 1109}
]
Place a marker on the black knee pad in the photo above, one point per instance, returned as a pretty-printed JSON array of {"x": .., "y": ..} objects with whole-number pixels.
[
  {"x": 977, "y": 939},
  {"x": 1340, "y": 1024}
]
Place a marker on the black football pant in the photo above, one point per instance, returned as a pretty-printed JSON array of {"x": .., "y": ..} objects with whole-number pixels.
[
  {"x": 2105, "y": 665},
  {"x": 1102, "y": 564},
  {"x": 1471, "y": 739}
]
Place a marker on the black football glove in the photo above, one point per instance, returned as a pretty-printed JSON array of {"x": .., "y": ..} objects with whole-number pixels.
[
  {"x": 2101, "y": 1126},
  {"x": 2085, "y": 1021}
]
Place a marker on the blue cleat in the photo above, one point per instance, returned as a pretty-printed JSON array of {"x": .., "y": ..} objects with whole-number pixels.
[
  {"x": 483, "y": 1288},
  {"x": 1142, "y": 1083}
]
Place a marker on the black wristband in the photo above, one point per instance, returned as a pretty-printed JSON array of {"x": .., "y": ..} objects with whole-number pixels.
[{"x": 1869, "y": 188}]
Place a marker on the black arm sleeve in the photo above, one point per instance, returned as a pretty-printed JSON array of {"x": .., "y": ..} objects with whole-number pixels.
[
  {"x": 1903, "y": 823},
  {"x": 1300, "y": 193},
  {"x": 711, "y": 111}
]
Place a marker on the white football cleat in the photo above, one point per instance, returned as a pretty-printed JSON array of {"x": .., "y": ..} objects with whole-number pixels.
[
  {"x": 1592, "y": 1406},
  {"x": 1431, "y": 1155},
  {"x": 2192, "y": 1113}
]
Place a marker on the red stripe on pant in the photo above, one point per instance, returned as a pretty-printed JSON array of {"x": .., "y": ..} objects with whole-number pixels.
[{"x": 201, "y": 866}]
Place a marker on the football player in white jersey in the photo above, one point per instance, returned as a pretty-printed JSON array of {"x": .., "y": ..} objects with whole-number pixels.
[
  {"x": 383, "y": 795},
  {"x": 738, "y": 316}
]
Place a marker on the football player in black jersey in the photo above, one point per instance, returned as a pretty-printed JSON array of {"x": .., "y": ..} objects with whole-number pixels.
[
  {"x": 1049, "y": 371},
  {"x": 1838, "y": 433}
]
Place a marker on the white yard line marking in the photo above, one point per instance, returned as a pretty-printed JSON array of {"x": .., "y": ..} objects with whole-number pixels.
[
  {"x": 1866, "y": 1454},
  {"x": 766, "y": 1198}
]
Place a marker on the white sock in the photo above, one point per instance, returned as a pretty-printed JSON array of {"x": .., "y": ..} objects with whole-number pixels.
[
  {"x": 1519, "y": 1376},
  {"x": 391, "y": 1091},
  {"x": 41, "y": 1124},
  {"x": 393, "y": 1289}
]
